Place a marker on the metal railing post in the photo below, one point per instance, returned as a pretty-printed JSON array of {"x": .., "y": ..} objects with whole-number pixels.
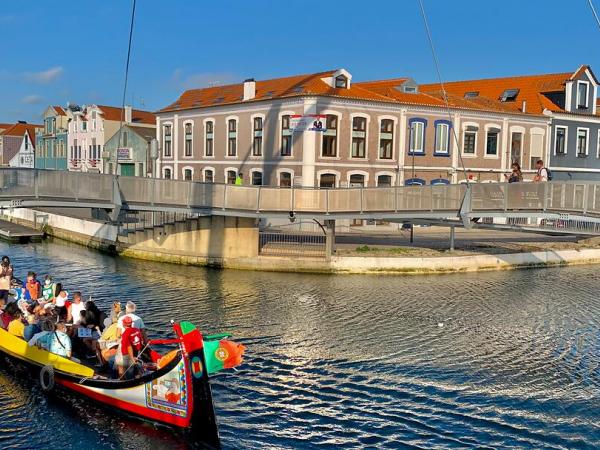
[
  {"x": 77, "y": 187},
  {"x": 293, "y": 205},
  {"x": 35, "y": 184},
  {"x": 327, "y": 202},
  {"x": 361, "y": 199},
  {"x": 506, "y": 192},
  {"x": 585, "y": 192},
  {"x": 431, "y": 198},
  {"x": 189, "y": 196},
  {"x": 258, "y": 199},
  {"x": 396, "y": 198},
  {"x": 224, "y": 196},
  {"x": 545, "y": 204}
]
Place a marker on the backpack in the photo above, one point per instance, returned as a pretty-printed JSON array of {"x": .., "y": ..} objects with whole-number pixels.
[{"x": 548, "y": 174}]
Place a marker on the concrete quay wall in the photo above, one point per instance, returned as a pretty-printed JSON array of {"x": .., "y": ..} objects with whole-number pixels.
[{"x": 228, "y": 242}]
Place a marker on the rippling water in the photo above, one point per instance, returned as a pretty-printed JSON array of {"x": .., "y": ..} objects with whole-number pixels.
[{"x": 501, "y": 359}]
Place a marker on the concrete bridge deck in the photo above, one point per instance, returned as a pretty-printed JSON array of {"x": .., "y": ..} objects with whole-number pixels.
[{"x": 565, "y": 205}]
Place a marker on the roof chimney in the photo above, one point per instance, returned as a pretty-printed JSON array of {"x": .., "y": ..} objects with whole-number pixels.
[
  {"x": 524, "y": 106},
  {"x": 249, "y": 89},
  {"x": 128, "y": 118}
]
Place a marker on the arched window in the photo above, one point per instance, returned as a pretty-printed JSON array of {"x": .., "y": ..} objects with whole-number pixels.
[
  {"x": 257, "y": 178},
  {"x": 285, "y": 179},
  {"x": 232, "y": 137},
  {"x": 209, "y": 176},
  {"x": 330, "y": 137},
  {"x": 386, "y": 139},
  {"x": 231, "y": 176},
  {"x": 327, "y": 180},
  {"x": 359, "y": 137},
  {"x": 357, "y": 180},
  {"x": 167, "y": 173},
  {"x": 187, "y": 174},
  {"x": 384, "y": 180},
  {"x": 188, "y": 150}
]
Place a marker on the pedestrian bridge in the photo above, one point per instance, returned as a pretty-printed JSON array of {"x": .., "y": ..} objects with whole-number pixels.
[{"x": 559, "y": 206}]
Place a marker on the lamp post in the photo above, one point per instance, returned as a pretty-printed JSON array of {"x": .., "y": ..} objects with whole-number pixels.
[{"x": 154, "y": 155}]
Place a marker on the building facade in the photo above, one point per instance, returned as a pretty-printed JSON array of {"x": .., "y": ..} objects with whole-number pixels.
[
  {"x": 130, "y": 152},
  {"x": 17, "y": 145},
  {"x": 91, "y": 127},
  {"x": 52, "y": 140},
  {"x": 381, "y": 133}
]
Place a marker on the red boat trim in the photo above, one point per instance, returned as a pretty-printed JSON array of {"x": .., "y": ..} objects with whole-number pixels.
[{"x": 126, "y": 406}]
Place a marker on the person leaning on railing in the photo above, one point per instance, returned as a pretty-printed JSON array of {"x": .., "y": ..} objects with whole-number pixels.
[{"x": 516, "y": 175}]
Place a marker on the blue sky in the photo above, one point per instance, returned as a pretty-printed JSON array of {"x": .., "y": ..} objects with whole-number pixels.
[{"x": 54, "y": 52}]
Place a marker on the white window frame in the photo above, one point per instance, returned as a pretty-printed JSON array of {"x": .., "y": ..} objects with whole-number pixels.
[
  {"x": 587, "y": 142},
  {"x": 280, "y": 135},
  {"x": 358, "y": 172},
  {"x": 190, "y": 122},
  {"x": 563, "y": 127},
  {"x": 183, "y": 169},
  {"x": 411, "y": 150},
  {"x": 227, "y": 169},
  {"x": 164, "y": 169},
  {"x": 385, "y": 172},
  {"x": 337, "y": 174},
  {"x": 498, "y": 146},
  {"x": 262, "y": 176},
  {"x": 237, "y": 137},
  {"x": 204, "y": 122},
  {"x": 163, "y": 125},
  {"x": 367, "y": 124},
  {"x": 262, "y": 150},
  {"x": 280, "y": 171},
  {"x": 339, "y": 115},
  {"x": 587, "y": 94},
  {"x": 436, "y": 140},
  {"x": 465, "y": 125},
  {"x": 204, "y": 170},
  {"x": 395, "y": 139}
]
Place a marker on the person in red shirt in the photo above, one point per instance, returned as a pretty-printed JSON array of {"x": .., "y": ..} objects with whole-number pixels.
[{"x": 132, "y": 342}]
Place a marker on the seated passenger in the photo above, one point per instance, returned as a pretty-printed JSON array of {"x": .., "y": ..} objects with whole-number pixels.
[
  {"x": 115, "y": 313},
  {"x": 32, "y": 287},
  {"x": 131, "y": 345},
  {"x": 48, "y": 289},
  {"x": 93, "y": 316},
  {"x": 61, "y": 302},
  {"x": 106, "y": 346},
  {"x": 58, "y": 342},
  {"x": 74, "y": 310},
  {"x": 32, "y": 327},
  {"x": 41, "y": 339},
  {"x": 16, "y": 327}
]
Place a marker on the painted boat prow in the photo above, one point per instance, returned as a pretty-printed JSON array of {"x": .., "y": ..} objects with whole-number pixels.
[{"x": 20, "y": 349}]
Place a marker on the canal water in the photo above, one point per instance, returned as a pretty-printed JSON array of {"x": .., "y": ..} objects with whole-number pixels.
[{"x": 490, "y": 360}]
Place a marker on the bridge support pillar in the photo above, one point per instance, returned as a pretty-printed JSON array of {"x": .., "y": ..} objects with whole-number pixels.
[
  {"x": 329, "y": 238},
  {"x": 452, "y": 229}
]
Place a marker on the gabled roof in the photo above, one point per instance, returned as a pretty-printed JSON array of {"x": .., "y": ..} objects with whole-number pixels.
[
  {"x": 146, "y": 133},
  {"x": 294, "y": 86},
  {"x": 59, "y": 110},
  {"x": 531, "y": 89},
  {"x": 137, "y": 116},
  {"x": 5, "y": 126},
  {"x": 581, "y": 70},
  {"x": 19, "y": 129}
]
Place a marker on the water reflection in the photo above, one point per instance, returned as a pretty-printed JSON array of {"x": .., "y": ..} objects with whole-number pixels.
[{"x": 494, "y": 359}]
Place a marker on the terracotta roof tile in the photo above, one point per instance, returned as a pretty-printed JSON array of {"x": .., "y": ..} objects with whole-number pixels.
[
  {"x": 531, "y": 89},
  {"x": 19, "y": 129},
  {"x": 59, "y": 110},
  {"x": 137, "y": 116}
]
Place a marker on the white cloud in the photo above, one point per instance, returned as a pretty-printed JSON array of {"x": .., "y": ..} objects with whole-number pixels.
[
  {"x": 45, "y": 76},
  {"x": 32, "y": 99},
  {"x": 202, "y": 79}
]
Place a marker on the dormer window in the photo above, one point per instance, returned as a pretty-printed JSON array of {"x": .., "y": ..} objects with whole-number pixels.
[
  {"x": 509, "y": 95},
  {"x": 471, "y": 94},
  {"x": 341, "y": 82},
  {"x": 410, "y": 89},
  {"x": 582, "y": 94}
]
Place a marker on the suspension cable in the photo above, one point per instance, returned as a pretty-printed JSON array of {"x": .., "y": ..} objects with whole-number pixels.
[
  {"x": 594, "y": 12},
  {"x": 444, "y": 94},
  {"x": 125, "y": 85}
]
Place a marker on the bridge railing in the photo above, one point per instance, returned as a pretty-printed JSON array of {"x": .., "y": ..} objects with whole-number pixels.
[{"x": 151, "y": 193}]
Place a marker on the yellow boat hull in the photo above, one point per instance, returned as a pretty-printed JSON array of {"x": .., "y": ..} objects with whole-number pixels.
[{"x": 19, "y": 348}]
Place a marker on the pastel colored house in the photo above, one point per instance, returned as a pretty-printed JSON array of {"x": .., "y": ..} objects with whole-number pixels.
[
  {"x": 130, "y": 152},
  {"x": 52, "y": 140},
  {"x": 17, "y": 145},
  {"x": 91, "y": 127}
]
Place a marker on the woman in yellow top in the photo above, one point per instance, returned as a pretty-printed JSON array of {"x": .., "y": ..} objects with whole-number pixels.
[{"x": 16, "y": 326}]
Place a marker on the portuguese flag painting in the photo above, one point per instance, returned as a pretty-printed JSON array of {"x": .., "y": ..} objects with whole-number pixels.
[{"x": 222, "y": 354}]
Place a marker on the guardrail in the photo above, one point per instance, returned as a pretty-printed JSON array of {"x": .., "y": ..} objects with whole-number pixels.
[{"x": 33, "y": 186}]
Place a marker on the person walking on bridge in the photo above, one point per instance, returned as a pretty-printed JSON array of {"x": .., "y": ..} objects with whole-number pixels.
[
  {"x": 239, "y": 180},
  {"x": 542, "y": 173}
]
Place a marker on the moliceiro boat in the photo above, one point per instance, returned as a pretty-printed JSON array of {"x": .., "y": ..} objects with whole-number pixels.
[{"x": 177, "y": 393}]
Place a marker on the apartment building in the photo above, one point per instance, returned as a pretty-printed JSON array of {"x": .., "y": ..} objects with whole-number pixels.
[
  {"x": 387, "y": 132},
  {"x": 568, "y": 99},
  {"x": 90, "y": 127}
]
